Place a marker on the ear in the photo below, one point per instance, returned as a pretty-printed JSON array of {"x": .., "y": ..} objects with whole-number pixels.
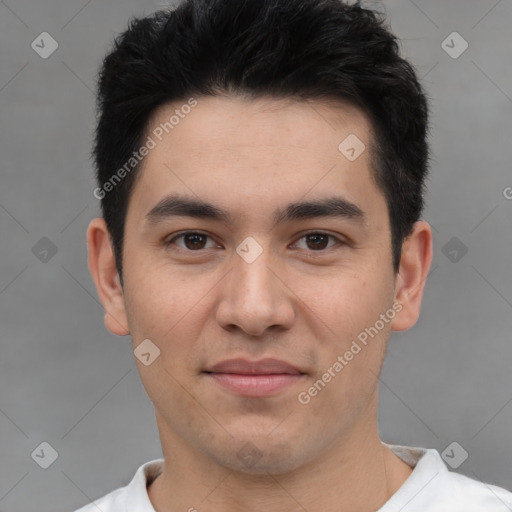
[
  {"x": 410, "y": 279},
  {"x": 102, "y": 266}
]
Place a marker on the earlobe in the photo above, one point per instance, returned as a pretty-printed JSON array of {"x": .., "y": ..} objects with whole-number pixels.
[
  {"x": 104, "y": 272},
  {"x": 410, "y": 280}
]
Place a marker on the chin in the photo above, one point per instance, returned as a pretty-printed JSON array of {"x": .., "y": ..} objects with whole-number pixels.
[{"x": 259, "y": 456}]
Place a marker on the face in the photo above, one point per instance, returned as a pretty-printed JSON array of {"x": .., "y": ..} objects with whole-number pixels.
[{"x": 259, "y": 275}]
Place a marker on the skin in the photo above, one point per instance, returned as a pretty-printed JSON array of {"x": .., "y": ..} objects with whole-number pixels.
[{"x": 295, "y": 302}]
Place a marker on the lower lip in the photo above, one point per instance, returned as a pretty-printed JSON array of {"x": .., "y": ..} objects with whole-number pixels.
[{"x": 255, "y": 385}]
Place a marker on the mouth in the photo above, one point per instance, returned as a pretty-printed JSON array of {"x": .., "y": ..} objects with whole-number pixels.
[{"x": 255, "y": 379}]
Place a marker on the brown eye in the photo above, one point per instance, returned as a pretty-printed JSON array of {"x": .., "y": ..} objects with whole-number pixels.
[
  {"x": 317, "y": 241},
  {"x": 192, "y": 241}
]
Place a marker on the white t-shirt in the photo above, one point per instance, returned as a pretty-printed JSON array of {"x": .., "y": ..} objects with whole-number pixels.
[{"x": 429, "y": 488}]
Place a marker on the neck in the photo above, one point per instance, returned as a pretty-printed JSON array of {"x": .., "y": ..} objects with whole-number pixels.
[{"x": 358, "y": 475}]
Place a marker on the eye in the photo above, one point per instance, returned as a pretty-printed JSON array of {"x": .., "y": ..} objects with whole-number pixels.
[
  {"x": 318, "y": 241},
  {"x": 192, "y": 240}
]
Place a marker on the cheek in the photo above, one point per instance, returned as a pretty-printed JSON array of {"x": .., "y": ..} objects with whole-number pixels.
[
  {"x": 346, "y": 312},
  {"x": 168, "y": 315},
  {"x": 160, "y": 299},
  {"x": 344, "y": 305}
]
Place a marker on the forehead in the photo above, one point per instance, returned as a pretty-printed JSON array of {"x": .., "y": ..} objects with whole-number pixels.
[
  {"x": 268, "y": 122},
  {"x": 235, "y": 149}
]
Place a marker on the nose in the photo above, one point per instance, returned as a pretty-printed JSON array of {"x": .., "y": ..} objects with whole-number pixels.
[{"x": 254, "y": 297}]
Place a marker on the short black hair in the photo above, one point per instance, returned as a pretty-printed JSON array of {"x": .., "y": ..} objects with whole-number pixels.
[{"x": 303, "y": 49}]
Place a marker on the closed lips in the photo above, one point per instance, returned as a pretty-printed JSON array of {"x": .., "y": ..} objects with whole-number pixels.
[{"x": 245, "y": 367}]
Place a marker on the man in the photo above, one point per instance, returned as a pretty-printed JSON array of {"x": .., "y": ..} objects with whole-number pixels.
[{"x": 261, "y": 168}]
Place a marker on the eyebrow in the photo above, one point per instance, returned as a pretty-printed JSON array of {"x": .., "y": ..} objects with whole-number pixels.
[{"x": 182, "y": 206}]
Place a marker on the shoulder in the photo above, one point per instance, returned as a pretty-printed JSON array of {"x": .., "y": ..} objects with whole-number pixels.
[
  {"x": 133, "y": 495},
  {"x": 433, "y": 488},
  {"x": 112, "y": 502},
  {"x": 473, "y": 495}
]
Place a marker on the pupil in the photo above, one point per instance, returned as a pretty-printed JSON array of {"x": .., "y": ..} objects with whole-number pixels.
[
  {"x": 194, "y": 240},
  {"x": 315, "y": 239}
]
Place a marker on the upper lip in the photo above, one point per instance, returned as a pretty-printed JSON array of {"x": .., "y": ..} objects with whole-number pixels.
[{"x": 263, "y": 367}]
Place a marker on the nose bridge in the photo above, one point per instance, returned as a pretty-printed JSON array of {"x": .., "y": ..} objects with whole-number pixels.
[
  {"x": 254, "y": 298},
  {"x": 254, "y": 280}
]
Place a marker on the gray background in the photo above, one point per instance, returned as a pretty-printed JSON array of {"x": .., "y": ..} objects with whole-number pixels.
[{"x": 65, "y": 380}]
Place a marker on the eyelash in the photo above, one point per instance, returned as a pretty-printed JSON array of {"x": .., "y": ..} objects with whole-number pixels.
[{"x": 185, "y": 233}]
